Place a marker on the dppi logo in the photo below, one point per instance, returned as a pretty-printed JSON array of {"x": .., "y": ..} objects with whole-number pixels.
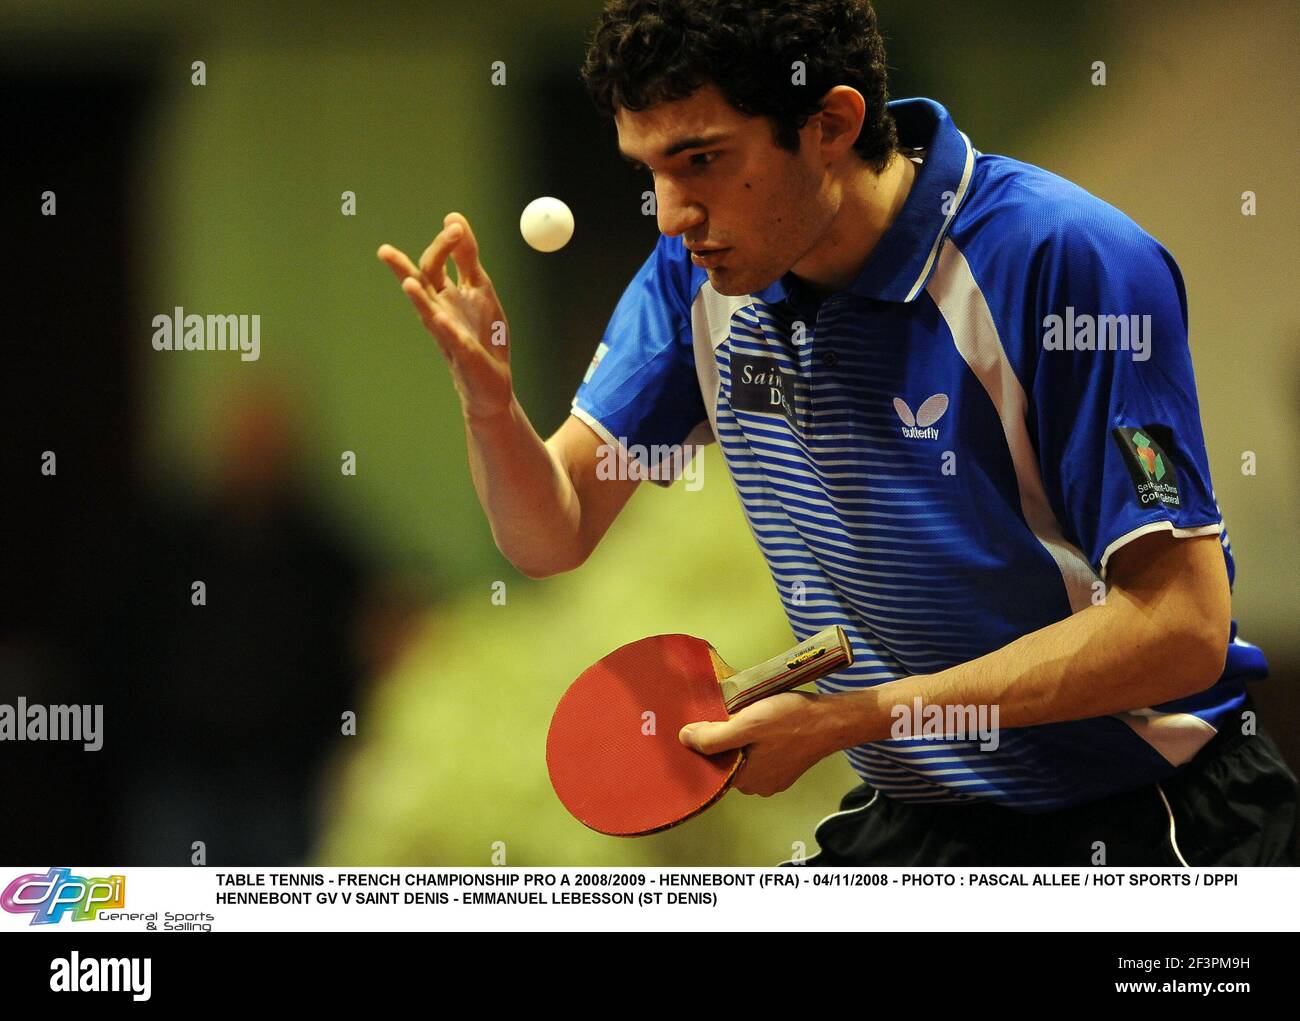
[{"x": 47, "y": 898}]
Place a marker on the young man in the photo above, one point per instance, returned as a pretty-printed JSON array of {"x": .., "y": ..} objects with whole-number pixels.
[{"x": 955, "y": 396}]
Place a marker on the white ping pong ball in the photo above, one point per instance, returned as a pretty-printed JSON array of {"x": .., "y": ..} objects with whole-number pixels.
[{"x": 546, "y": 224}]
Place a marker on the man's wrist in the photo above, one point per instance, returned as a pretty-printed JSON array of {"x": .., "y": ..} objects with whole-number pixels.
[
  {"x": 505, "y": 416},
  {"x": 852, "y": 718}
]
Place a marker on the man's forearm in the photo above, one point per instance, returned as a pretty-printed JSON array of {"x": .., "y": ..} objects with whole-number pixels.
[
  {"x": 1102, "y": 660},
  {"x": 526, "y": 494}
]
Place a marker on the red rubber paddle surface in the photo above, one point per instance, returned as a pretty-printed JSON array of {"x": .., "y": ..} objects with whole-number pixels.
[{"x": 610, "y": 773}]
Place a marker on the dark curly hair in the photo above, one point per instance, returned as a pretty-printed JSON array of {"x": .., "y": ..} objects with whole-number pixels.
[{"x": 644, "y": 52}]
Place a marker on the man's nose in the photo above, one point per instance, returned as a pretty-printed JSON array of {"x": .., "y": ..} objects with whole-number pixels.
[{"x": 675, "y": 211}]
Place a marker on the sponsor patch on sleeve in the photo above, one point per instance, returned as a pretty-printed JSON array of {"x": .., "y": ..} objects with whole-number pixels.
[
  {"x": 601, "y": 348},
  {"x": 1147, "y": 453}
]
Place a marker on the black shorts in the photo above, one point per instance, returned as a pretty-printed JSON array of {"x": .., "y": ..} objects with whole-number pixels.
[{"x": 1235, "y": 803}]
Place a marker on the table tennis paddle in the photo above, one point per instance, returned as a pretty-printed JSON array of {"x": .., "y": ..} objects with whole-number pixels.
[{"x": 613, "y": 752}]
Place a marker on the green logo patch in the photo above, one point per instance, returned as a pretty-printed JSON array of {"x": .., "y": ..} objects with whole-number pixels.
[{"x": 1147, "y": 454}]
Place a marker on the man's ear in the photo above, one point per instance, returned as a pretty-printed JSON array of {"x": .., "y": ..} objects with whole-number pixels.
[{"x": 843, "y": 111}]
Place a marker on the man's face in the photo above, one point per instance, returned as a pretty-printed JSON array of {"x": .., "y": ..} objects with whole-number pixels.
[{"x": 722, "y": 182}]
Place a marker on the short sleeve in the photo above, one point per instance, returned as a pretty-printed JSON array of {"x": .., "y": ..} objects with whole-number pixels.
[
  {"x": 1118, "y": 424},
  {"x": 641, "y": 391}
]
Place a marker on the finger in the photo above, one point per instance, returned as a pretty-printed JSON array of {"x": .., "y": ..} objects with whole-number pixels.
[
  {"x": 742, "y": 781},
  {"x": 748, "y": 782},
  {"x": 465, "y": 254},
  {"x": 398, "y": 261},
  {"x": 711, "y": 738},
  {"x": 433, "y": 316},
  {"x": 433, "y": 263}
]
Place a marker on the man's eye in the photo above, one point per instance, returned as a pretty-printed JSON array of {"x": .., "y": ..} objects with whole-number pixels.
[{"x": 703, "y": 159}]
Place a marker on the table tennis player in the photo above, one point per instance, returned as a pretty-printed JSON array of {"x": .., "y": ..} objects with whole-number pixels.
[{"x": 955, "y": 396}]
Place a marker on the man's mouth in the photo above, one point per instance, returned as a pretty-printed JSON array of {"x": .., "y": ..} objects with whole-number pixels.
[{"x": 708, "y": 258}]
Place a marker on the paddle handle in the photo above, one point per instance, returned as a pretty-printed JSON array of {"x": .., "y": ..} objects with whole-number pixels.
[{"x": 824, "y": 653}]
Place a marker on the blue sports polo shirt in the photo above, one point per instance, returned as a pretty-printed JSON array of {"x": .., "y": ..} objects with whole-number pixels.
[{"x": 946, "y": 455}]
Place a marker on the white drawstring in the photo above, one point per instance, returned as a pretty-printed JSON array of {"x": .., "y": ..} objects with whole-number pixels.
[{"x": 1173, "y": 833}]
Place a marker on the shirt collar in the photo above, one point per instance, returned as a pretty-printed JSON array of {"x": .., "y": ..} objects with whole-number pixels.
[{"x": 904, "y": 258}]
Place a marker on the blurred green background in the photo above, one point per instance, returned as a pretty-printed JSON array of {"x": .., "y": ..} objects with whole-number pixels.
[{"x": 232, "y": 203}]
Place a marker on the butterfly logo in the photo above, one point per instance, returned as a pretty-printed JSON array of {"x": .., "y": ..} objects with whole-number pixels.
[{"x": 919, "y": 426}]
